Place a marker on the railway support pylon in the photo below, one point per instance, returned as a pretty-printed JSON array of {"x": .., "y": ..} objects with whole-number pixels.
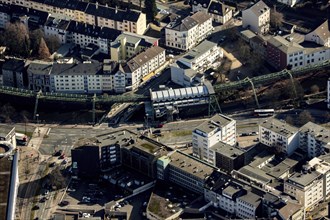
[
  {"x": 214, "y": 106},
  {"x": 254, "y": 92},
  {"x": 293, "y": 85},
  {"x": 36, "y": 104},
  {"x": 93, "y": 101}
]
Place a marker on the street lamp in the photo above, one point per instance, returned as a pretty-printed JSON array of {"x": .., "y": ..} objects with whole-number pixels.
[{"x": 37, "y": 115}]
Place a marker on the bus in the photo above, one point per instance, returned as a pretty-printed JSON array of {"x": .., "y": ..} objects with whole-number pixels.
[
  {"x": 21, "y": 139},
  {"x": 264, "y": 112}
]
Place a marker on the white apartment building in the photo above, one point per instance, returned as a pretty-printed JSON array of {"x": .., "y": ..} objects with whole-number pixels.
[
  {"x": 57, "y": 28},
  {"x": 278, "y": 134},
  {"x": 321, "y": 35},
  {"x": 202, "y": 56},
  {"x": 181, "y": 34},
  {"x": 306, "y": 187},
  {"x": 87, "y": 77},
  {"x": 218, "y": 128},
  {"x": 85, "y": 34},
  {"x": 323, "y": 168},
  {"x": 127, "y": 45},
  {"x": 257, "y": 18},
  {"x": 186, "y": 33},
  {"x": 314, "y": 139},
  {"x": 90, "y": 13},
  {"x": 246, "y": 206},
  {"x": 143, "y": 64},
  {"x": 204, "y": 24},
  {"x": 290, "y": 3},
  {"x": 219, "y": 12},
  {"x": 184, "y": 76}
]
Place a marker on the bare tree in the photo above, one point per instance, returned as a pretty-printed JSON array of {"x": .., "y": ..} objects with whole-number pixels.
[
  {"x": 276, "y": 19},
  {"x": 289, "y": 120},
  {"x": 53, "y": 43},
  {"x": 315, "y": 89},
  {"x": 43, "y": 50},
  {"x": 16, "y": 37},
  {"x": 304, "y": 117}
]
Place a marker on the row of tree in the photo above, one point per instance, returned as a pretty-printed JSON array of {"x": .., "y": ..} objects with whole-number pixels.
[{"x": 21, "y": 42}]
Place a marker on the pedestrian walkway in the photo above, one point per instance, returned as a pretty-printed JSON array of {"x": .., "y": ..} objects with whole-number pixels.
[{"x": 37, "y": 137}]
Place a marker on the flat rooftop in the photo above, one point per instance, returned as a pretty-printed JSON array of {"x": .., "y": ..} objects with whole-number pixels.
[
  {"x": 123, "y": 138},
  {"x": 198, "y": 51},
  {"x": 217, "y": 121},
  {"x": 304, "y": 179},
  {"x": 191, "y": 165},
  {"x": 227, "y": 150},
  {"x": 320, "y": 133},
  {"x": 279, "y": 127}
]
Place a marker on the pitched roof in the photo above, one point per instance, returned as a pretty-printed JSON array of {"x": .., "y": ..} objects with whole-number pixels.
[
  {"x": 112, "y": 13},
  {"x": 201, "y": 17},
  {"x": 323, "y": 30},
  {"x": 203, "y": 3},
  {"x": 92, "y": 68},
  {"x": 142, "y": 58},
  {"x": 219, "y": 8},
  {"x": 284, "y": 45},
  {"x": 259, "y": 8},
  {"x": 182, "y": 25},
  {"x": 94, "y": 31}
]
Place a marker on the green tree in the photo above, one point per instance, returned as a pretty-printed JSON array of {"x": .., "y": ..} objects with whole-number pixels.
[{"x": 151, "y": 9}]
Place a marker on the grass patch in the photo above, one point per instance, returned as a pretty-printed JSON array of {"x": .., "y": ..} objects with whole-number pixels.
[
  {"x": 180, "y": 133},
  {"x": 154, "y": 207},
  {"x": 151, "y": 148}
]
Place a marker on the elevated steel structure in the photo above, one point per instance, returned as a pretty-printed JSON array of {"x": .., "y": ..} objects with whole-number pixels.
[{"x": 131, "y": 97}]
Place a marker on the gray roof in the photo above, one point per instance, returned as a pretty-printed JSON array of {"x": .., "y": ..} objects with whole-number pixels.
[
  {"x": 182, "y": 25},
  {"x": 201, "y": 17},
  {"x": 320, "y": 133},
  {"x": 226, "y": 150},
  {"x": 40, "y": 68},
  {"x": 142, "y": 58},
  {"x": 259, "y": 8},
  {"x": 198, "y": 51},
  {"x": 254, "y": 173},
  {"x": 279, "y": 127},
  {"x": 191, "y": 165},
  {"x": 284, "y": 45},
  {"x": 57, "y": 23},
  {"x": 213, "y": 123},
  {"x": 323, "y": 30},
  {"x": 219, "y": 8},
  {"x": 251, "y": 198},
  {"x": 304, "y": 179},
  {"x": 230, "y": 190},
  {"x": 90, "y": 68}
]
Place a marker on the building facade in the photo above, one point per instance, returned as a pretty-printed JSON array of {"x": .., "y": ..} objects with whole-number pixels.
[
  {"x": 321, "y": 35},
  {"x": 90, "y": 13},
  {"x": 127, "y": 45},
  {"x": 143, "y": 64},
  {"x": 314, "y": 139},
  {"x": 283, "y": 137},
  {"x": 257, "y": 18},
  {"x": 184, "y": 34},
  {"x": 202, "y": 56},
  {"x": 209, "y": 133},
  {"x": 13, "y": 73},
  {"x": 307, "y": 188}
]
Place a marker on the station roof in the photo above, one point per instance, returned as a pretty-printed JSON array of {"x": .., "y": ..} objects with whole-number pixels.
[{"x": 176, "y": 94}]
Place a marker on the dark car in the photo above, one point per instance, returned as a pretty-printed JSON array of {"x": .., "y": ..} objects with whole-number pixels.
[
  {"x": 52, "y": 164},
  {"x": 64, "y": 203},
  {"x": 36, "y": 207}
]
